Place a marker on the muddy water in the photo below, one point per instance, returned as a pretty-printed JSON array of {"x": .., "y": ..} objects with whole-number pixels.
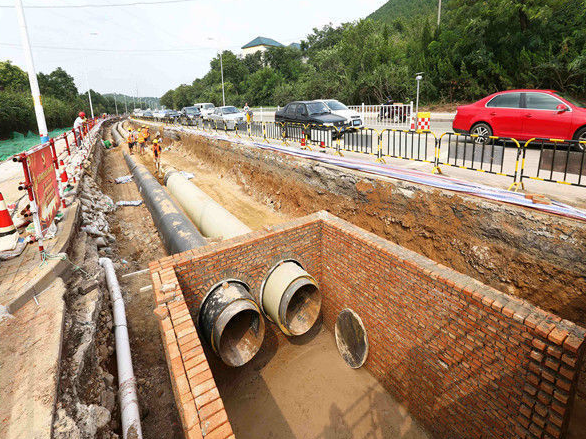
[{"x": 301, "y": 388}]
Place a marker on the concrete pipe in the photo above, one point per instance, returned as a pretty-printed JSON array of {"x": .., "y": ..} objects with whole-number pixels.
[
  {"x": 291, "y": 298},
  {"x": 210, "y": 218},
  {"x": 291, "y": 291},
  {"x": 232, "y": 323},
  {"x": 177, "y": 232},
  {"x": 121, "y": 130},
  {"x": 116, "y": 135}
]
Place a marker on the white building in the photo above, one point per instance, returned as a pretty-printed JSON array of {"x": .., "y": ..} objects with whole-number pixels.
[{"x": 259, "y": 44}]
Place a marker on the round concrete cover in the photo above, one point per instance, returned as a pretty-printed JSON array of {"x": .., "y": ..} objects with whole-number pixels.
[{"x": 351, "y": 338}]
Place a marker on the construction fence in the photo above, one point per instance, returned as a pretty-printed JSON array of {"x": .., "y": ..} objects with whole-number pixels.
[{"x": 550, "y": 160}]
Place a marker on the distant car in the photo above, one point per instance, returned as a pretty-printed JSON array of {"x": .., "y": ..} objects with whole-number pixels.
[
  {"x": 166, "y": 113},
  {"x": 310, "y": 113},
  {"x": 137, "y": 112},
  {"x": 206, "y": 108},
  {"x": 228, "y": 115},
  {"x": 353, "y": 118},
  {"x": 147, "y": 113},
  {"x": 524, "y": 114},
  {"x": 191, "y": 112}
]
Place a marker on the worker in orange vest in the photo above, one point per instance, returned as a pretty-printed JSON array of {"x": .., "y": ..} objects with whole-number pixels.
[
  {"x": 147, "y": 134},
  {"x": 157, "y": 154},
  {"x": 132, "y": 137},
  {"x": 141, "y": 141}
]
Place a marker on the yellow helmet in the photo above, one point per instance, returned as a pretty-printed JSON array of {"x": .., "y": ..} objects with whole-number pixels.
[{"x": 156, "y": 141}]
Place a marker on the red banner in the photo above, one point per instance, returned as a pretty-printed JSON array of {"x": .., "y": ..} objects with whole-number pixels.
[{"x": 44, "y": 183}]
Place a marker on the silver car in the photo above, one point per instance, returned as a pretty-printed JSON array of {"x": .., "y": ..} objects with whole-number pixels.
[{"x": 227, "y": 117}]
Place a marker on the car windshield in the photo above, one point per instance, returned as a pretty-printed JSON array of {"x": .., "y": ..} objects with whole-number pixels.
[
  {"x": 229, "y": 110},
  {"x": 191, "y": 110},
  {"x": 317, "y": 108},
  {"x": 207, "y": 106},
  {"x": 336, "y": 105},
  {"x": 573, "y": 100}
]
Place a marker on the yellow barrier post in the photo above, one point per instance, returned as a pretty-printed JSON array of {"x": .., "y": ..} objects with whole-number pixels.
[
  {"x": 338, "y": 139},
  {"x": 436, "y": 168},
  {"x": 264, "y": 132},
  {"x": 379, "y": 151},
  {"x": 305, "y": 143},
  {"x": 516, "y": 184}
]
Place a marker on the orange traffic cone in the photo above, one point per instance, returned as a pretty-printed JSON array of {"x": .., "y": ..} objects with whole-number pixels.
[
  {"x": 64, "y": 177},
  {"x": 8, "y": 233}
]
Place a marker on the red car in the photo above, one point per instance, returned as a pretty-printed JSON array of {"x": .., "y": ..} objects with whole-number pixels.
[{"x": 524, "y": 114}]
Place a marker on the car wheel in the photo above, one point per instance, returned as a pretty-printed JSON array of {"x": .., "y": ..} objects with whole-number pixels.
[
  {"x": 580, "y": 135},
  {"x": 482, "y": 130}
]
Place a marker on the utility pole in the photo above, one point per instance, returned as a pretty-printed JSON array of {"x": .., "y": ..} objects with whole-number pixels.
[
  {"x": 32, "y": 75},
  {"x": 125, "y": 106},
  {"x": 222, "y": 73},
  {"x": 439, "y": 12},
  {"x": 115, "y": 104}
]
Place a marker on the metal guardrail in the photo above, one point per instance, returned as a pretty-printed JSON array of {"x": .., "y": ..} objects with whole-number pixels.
[
  {"x": 557, "y": 161},
  {"x": 560, "y": 161}
]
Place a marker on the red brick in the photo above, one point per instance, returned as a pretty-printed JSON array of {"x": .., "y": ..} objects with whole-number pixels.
[
  {"x": 207, "y": 397},
  {"x": 557, "y": 336},
  {"x": 538, "y": 344},
  {"x": 573, "y": 343},
  {"x": 213, "y": 422},
  {"x": 210, "y": 409},
  {"x": 161, "y": 312}
]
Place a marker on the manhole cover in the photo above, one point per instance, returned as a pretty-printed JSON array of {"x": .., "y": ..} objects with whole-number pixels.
[{"x": 351, "y": 338}]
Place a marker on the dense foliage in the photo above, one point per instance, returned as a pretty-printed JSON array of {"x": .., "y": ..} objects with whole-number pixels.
[
  {"x": 482, "y": 46},
  {"x": 61, "y": 100}
]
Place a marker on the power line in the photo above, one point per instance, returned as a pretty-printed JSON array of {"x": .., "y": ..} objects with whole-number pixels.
[
  {"x": 78, "y": 49},
  {"x": 101, "y": 5}
]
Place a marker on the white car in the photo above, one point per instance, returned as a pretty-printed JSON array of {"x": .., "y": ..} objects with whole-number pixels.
[
  {"x": 229, "y": 115},
  {"x": 339, "y": 109},
  {"x": 205, "y": 108}
]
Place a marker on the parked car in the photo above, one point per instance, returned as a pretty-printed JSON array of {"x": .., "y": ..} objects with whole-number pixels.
[
  {"x": 206, "y": 108},
  {"x": 137, "y": 112},
  {"x": 353, "y": 118},
  {"x": 166, "y": 113},
  {"x": 524, "y": 114},
  {"x": 310, "y": 113},
  {"x": 228, "y": 115},
  {"x": 191, "y": 112},
  {"x": 147, "y": 113}
]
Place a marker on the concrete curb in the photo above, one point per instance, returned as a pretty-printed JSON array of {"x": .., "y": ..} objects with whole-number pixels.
[{"x": 54, "y": 268}]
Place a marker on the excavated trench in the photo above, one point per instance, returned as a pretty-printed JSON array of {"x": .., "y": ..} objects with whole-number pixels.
[{"x": 537, "y": 257}]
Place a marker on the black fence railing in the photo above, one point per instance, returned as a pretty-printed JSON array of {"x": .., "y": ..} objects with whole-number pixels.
[{"x": 550, "y": 160}]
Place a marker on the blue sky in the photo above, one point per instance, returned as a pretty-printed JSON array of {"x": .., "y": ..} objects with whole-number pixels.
[{"x": 157, "y": 47}]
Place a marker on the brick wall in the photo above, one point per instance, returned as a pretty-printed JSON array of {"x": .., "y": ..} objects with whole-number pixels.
[{"x": 467, "y": 360}]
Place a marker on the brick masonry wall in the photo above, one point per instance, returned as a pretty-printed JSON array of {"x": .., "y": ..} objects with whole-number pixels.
[{"x": 468, "y": 360}]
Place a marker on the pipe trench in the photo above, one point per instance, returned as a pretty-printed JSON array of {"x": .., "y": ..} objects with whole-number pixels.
[
  {"x": 118, "y": 139},
  {"x": 131, "y": 428},
  {"x": 289, "y": 297},
  {"x": 177, "y": 232}
]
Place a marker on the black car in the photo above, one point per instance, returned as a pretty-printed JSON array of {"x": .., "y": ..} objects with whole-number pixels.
[{"x": 310, "y": 113}]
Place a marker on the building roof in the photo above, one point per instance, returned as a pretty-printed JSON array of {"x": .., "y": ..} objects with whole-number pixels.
[
  {"x": 262, "y": 41},
  {"x": 295, "y": 46}
]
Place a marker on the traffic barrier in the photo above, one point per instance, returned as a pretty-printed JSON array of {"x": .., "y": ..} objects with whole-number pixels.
[
  {"x": 492, "y": 155},
  {"x": 8, "y": 233},
  {"x": 557, "y": 161},
  {"x": 423, "y": 122}
]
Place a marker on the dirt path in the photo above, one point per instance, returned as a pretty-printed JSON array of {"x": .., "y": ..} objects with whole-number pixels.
[{"x": 137, "y": 243}]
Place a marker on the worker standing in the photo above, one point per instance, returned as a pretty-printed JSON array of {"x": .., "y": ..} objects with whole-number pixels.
[
  {"x": 157, "y": 154},
  {"x": 147, "y": 134},
  {"x": 78, "y": 123},
  {"x": 131, "y": 140},
  {"x": 141, "y": 141}
]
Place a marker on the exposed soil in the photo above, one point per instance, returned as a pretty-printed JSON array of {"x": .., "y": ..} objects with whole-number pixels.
[{"x": 541, "y": 258}]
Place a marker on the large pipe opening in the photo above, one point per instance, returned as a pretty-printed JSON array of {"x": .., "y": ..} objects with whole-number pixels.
[
  {"x": 232, "y": 323},
  {"x": 291, "y": 298}
]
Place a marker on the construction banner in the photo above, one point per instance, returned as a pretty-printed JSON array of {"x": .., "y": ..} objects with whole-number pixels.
[{"x": 44, "y": 185}]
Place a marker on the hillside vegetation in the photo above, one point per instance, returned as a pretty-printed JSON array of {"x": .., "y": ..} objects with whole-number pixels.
[
  {"x": 481, "y": 47},
  {"x": 394, "y": 10}
]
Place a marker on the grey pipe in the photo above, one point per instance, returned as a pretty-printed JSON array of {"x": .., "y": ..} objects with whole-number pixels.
[
  {"x": 129, "y": 413},
  {"x": 289, "y": 296},
  {"x": 238, "y": 328},
  {"x": 118, "y": 139},
  {"x": 177, "y": 232}
]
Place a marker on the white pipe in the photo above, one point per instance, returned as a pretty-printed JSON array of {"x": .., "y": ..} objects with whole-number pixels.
[{"x": 126, "y": 382}]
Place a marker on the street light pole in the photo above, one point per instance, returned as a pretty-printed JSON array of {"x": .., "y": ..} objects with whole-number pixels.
[
  {"x": 32, "y": 75},
  {"x": 418, "y": 78},
  {"x": 439, "y": 12},
  {"x": 222, "y": 73}
]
